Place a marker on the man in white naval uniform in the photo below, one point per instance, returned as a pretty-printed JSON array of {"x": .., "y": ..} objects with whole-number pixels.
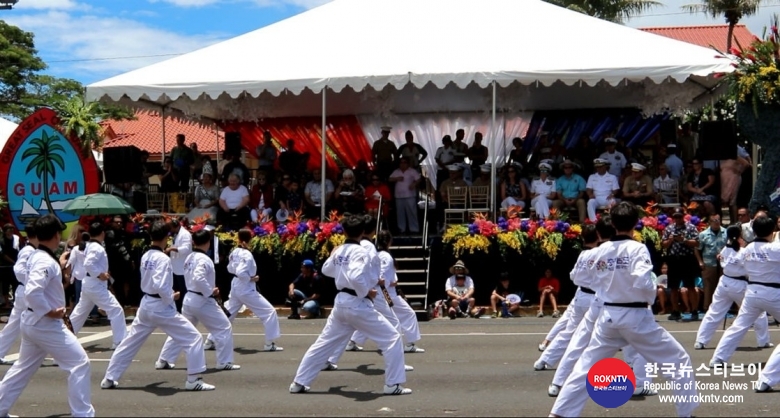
[
  {"x": 616, "y": 160},
  {"x": 158, "y": 310},
  {"x": 761, "y": 259},
  {"x": 543, "y": 191},
  {"x": 182, "y": 247},
  {"x": 623, "y": 281},
  {"x": 94, "y": 289},
  {"x": 200, "y": 305},
  {"x": 244, "y": 292},
  {"x": 43, "y": 329},
  {"x": 601, "y": 188},
  {"x": 12, "y": 328},
  {"x": 353, "y": 310},
  {"x": 381, "y": 304}
]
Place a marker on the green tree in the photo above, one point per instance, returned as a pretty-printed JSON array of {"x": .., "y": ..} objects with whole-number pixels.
[
  {"x": 45, "y": 158},
  {"x": 19, "y": 63},
  {"x": 613, "y": 10},
  {"x": 731, "y": 10}
]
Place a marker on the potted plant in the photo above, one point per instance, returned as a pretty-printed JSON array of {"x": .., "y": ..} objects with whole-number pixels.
[{"x": 755, "y": 84}]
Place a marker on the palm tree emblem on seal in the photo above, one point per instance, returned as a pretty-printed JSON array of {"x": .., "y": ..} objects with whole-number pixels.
[{"x": 46, "y": 156}]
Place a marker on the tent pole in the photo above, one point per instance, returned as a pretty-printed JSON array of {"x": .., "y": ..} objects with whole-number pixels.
[
  {"x": 493, "y": 155},
  {"x": 322, "y": 168},
  {"x": 216, "y": 138},
  {"x": 162, "y": 156}
]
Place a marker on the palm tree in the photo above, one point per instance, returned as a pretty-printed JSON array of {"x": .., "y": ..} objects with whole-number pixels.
[
  {"x": 46, "y": 155},
  {"x": 81, "y": 119},
  {"x": 731, "y": 10},
  {"x": 612, "y": 10}
]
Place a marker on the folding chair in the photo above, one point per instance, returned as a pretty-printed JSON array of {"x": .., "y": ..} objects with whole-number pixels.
[
  {"x": 457, "y": 208},
  {"x": 479, "y": 198}
]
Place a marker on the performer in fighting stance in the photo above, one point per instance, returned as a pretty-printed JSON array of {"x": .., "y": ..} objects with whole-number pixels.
[
  {"x": 353, "y": 310},
  {"x": 158, "y": 310}
]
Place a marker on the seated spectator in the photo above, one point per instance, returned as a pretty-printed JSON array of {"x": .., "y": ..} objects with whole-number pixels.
[
  {"x": 549, "y": 287},
  {"x": 513, "y": 191},
  {"x": 374, "y": 191},
  {"x": 261, "y": 198},
  {"x": 406, "y": 180},
  {"x": 602, "y": 188},
  {"x": 305, "y": 291},
  {"x": 665, "y": 187},
  {"x": 313, "y": 195},
  {"x": 662, "y": 290},
  {"x": 499, "y": 297},
  {"x": 571, "y": 190},
  {"x": 206, "y": 197},
  {"x": 543, "y": 191},
  {"x": 460, "y": 293},
  {"x": 349, "y": 194},
  {"x": 638, "y": 188},
  {"x": 455, "y": 180},
  {"x": 234, "y": 204},
  {"x": 701, "y": 185},
  {"x": 484, "y": 177}
]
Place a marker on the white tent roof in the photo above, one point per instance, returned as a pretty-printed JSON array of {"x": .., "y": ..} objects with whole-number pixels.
[
  {"x": 6, "y": 129},
  {"x": 380, "y": 43}
]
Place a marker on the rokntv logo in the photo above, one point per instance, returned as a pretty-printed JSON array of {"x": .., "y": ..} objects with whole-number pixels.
[{"x": 610, "y": 382}]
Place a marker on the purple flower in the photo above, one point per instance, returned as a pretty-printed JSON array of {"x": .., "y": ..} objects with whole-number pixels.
[
  {"x": 281, "y": 229},
  {"x": 302, "y": 227},
  {"x": 566, "y": 226},
  {"x": 639, "y": 226},
  {"x": 503, "y": 224},
  {"x": 473, "y": 229},
  {"x": 695, "y": 220},
  {"x": 524, "y": 226},
  {"x": 259, "y": 231},
  {"x": 502, "y": 219},
  {"x": 338, "y": 229},
  {"x": 662, "y": 218}
]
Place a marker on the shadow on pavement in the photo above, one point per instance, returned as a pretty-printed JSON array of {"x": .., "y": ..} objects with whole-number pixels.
[
  {"x": 357, "y": 396},
  {"x": 153, "y": 388}
]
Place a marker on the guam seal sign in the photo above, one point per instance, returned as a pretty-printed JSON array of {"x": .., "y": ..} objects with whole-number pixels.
[
  {"x": 610, "y": 382},
  {"x": 41, "y": 171}
]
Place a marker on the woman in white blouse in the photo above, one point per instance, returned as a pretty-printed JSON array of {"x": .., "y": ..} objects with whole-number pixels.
[{"x": 234, "y": 203}]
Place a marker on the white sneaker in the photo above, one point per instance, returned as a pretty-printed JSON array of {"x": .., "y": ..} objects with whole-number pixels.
[
  {"x": 412, "y": 348},
  {"x": 767, "y": 345},
  {"x": 698, "y": 346},
  {"x": 408, "y": 368},
  {"x": 296, "y": 388},
  {"x": 553, "y": 390},
  {"x": 640, "y": 391},
  {"x": 397, "y": 390},
  {"x": 6, "y": 362},
  {"x": 163, "y": 365},
  {"x": 108, "y": 384},
  {"x": 228, "y": 366},
  {"x": 330, "y": 367},
  {"x": 272, "y": 347},
  {"x": 198, "y": 385},
  {"x": 351, "y": 346},
  {"x": 540, "y": 314},
  {"x": 764, "y": 388},
  {"x": 208, "y": 345},
  {"x": 715, "y": 361},
  {"x": 542, "y": 347},
  {"x": 540, "y": 365}
]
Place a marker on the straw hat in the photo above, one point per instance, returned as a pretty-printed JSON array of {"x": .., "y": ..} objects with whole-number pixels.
[{"x": 459, "y": 264}]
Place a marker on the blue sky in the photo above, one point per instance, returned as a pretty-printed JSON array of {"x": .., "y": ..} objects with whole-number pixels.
[{"x": 90, "y": 40}]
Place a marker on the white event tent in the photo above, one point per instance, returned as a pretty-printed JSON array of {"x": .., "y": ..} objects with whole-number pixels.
[
  {"x": 7, "y": 128},
  {"x": 423, "y": 56}
]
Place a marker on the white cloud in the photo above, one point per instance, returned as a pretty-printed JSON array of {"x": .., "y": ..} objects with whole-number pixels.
[
  {"x": 78, "y": 44},
  {"x": 187, "y": 3},
  {"x": 48, "y": 5},
  {"x": 305, "y": 4}
]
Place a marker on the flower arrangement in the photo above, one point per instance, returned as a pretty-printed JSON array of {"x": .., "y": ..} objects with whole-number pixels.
[
  {"x": 651, "y": 226},
  {"x": 756, "y": 75},
  {"x": 544, "y": 236}
]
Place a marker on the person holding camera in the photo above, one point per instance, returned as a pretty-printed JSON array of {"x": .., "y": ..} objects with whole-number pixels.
[{"x": 680, "y": 239}]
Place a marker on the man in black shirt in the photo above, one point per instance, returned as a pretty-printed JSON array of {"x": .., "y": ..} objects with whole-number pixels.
[
  {"x": 305, "y": 291},
  {"x": 236, "y": 166}
]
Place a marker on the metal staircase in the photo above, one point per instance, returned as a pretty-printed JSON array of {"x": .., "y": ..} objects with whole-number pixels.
[{"x": 412, "y": 255}]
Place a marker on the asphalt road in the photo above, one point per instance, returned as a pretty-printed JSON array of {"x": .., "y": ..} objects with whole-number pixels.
[{"x": 471, "y": 368}]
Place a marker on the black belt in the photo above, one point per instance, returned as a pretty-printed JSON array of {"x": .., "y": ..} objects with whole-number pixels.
[
  {"x": 30, "y": 309},
  {"x": 740, "y": 278},
  {"x": 588, "y": 291},
  {"x": 351, "y": 292},
  {"x": 156, "y": 296},
  {"x": 200, "y": 294},
  {"x": 642, "y": 305},
  {"x": 772, "y": 285}
]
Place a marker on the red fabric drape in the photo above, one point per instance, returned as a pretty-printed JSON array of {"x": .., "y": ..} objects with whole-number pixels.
[{"x": 344, "y": 135}]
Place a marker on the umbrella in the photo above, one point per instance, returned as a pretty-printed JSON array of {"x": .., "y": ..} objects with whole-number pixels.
[{"x": 98, "y": 204}]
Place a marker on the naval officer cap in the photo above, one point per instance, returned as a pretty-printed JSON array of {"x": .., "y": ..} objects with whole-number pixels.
[
  {"x": 637, "y": 167},
  {"x": 598, "y": 162},
  {"x": 544, "y": 167},
  {"x": 386, "y": 128},
  {"x": 610, "y": 141},
  {"x": 454, "y": 167}
]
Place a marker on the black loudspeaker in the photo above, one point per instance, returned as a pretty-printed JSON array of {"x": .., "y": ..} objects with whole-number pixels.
[
  {"x": 668, "y": 131},
  {"x": 122, "y": 165},
  {"x": 717, "y": 141},
  {"x": 233, "y": 142}
]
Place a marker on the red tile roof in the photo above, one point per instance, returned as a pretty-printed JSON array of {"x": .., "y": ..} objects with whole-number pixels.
[
  {"x": 706, "y": 36},
  {"x": 146, "y": 133}
]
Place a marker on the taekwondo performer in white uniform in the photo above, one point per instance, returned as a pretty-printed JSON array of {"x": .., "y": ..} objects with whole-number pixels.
[
  {"x": 158, "y": 310},
  {"x": 761, "y": 259},
  {"x": 381, "y": 303},
  {"x": 43, "y": 329},
  {"x": 200, "y": 305},
  {"x": 353, "y": 310},
  {"x": 181, "y": 248},
  {"x": 623, "y": 281},
  {"x": 559, "y": 326},
  {"x": 601, "y": 188},
  {"x": 244, "y": 292},
  {"x": 94, "y": 288},
  {"x": 12, "y": 328},
  {"x": 731, "y": 289},
  {"x": 543, "y": 191},
  {"x": 405, "y": 314}
]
